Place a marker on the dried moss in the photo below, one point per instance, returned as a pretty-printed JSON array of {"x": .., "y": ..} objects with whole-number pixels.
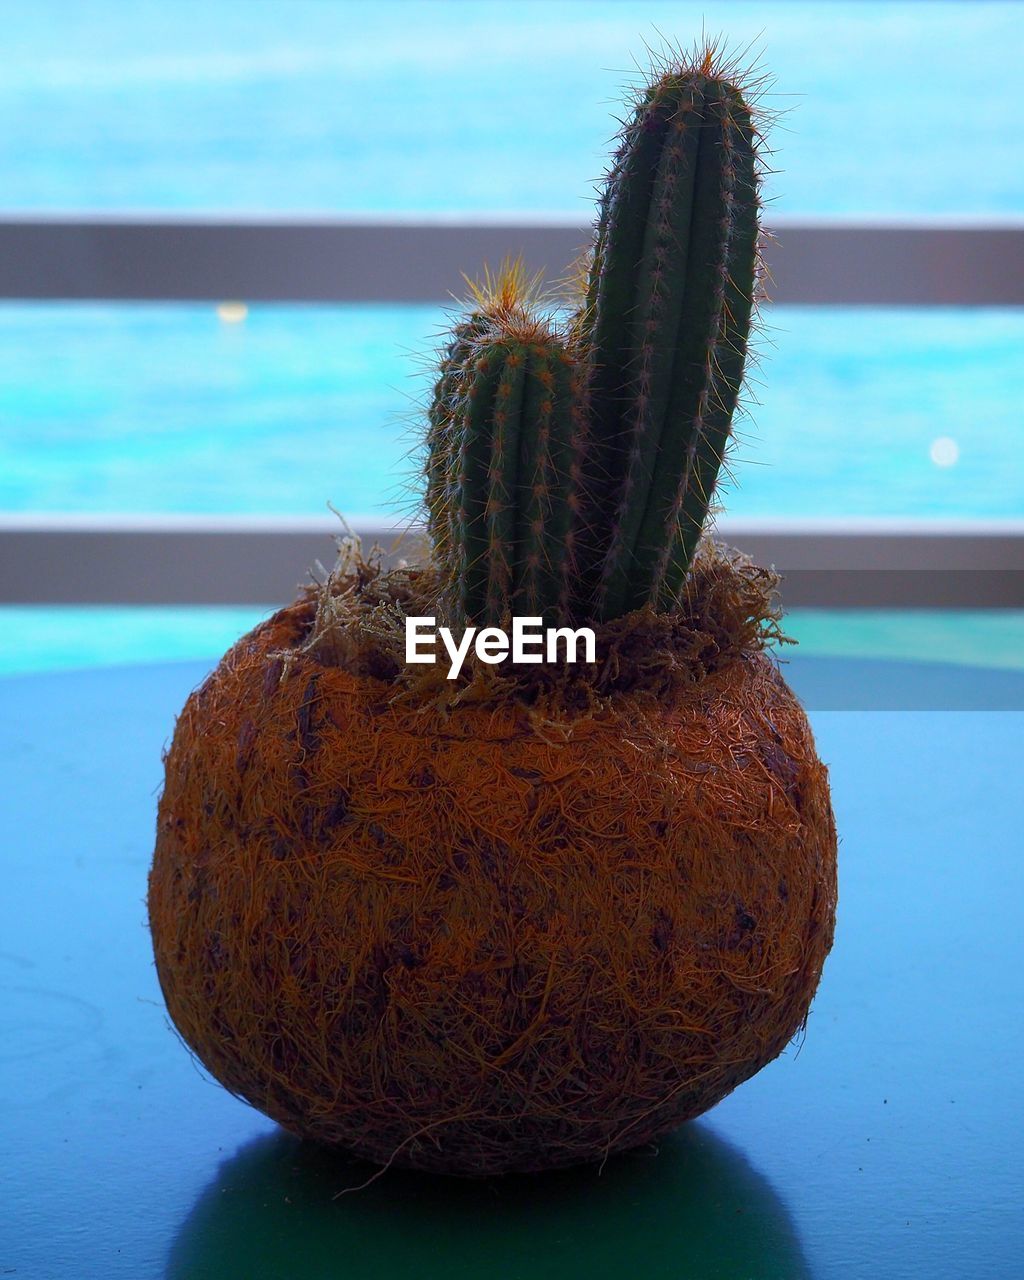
[{"x": 731, "y": 609}]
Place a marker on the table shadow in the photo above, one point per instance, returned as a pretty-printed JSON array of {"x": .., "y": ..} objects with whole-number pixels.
[{"x": 693, "y": 1208}]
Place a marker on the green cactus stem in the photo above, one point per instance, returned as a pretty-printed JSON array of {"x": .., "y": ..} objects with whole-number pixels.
[
  {"x": 668, "y": 317},
  {"x": 440, "y": 417},
  {"x": 503, "y": 475},
  {"x": 550, "y": 485}
]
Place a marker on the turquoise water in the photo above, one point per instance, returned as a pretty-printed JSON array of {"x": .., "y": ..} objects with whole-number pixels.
[
  {"x": 459, "y": 105},
  {"x": 481, "y": 107},
  {"x": 164, "y": 408}
]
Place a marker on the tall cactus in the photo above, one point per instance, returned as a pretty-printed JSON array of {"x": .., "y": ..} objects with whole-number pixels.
[{"x": 573, "y": 472}]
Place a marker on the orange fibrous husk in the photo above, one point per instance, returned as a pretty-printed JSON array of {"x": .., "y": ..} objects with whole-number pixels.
[{"x": 511, "y": 922}]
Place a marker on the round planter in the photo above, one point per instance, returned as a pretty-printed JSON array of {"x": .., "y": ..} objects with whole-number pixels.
[{"x": 486, "y": 938}]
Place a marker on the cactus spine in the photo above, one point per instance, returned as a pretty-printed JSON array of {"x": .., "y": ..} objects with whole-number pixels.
[{"x": 571, "y": 475}]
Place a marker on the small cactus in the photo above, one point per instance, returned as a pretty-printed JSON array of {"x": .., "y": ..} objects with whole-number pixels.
[
  {"x": 570, "y": 470},
  {"x": 504, "y": 487}
]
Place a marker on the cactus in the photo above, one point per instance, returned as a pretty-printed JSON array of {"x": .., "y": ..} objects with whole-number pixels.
[
  {"x": 570, "y": 473},
  {"x": 503, "y": 489},
  {"x": 668, "y": 315}
]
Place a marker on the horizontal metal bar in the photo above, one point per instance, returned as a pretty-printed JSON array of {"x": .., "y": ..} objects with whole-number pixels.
[
  {"x": 250, "y": 560},
  {"x": 812, "y": 262}
]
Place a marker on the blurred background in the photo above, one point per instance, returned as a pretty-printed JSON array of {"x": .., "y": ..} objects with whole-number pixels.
[{"x": 887, "y": 113}]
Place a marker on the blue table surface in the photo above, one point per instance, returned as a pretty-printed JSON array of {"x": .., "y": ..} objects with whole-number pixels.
[{"x": 885, "y": 1144}]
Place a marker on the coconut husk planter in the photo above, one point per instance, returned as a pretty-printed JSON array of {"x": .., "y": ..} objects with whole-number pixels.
[
  {"x": 539, "y": 913},
  {"x": 472, "y": 931}
]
